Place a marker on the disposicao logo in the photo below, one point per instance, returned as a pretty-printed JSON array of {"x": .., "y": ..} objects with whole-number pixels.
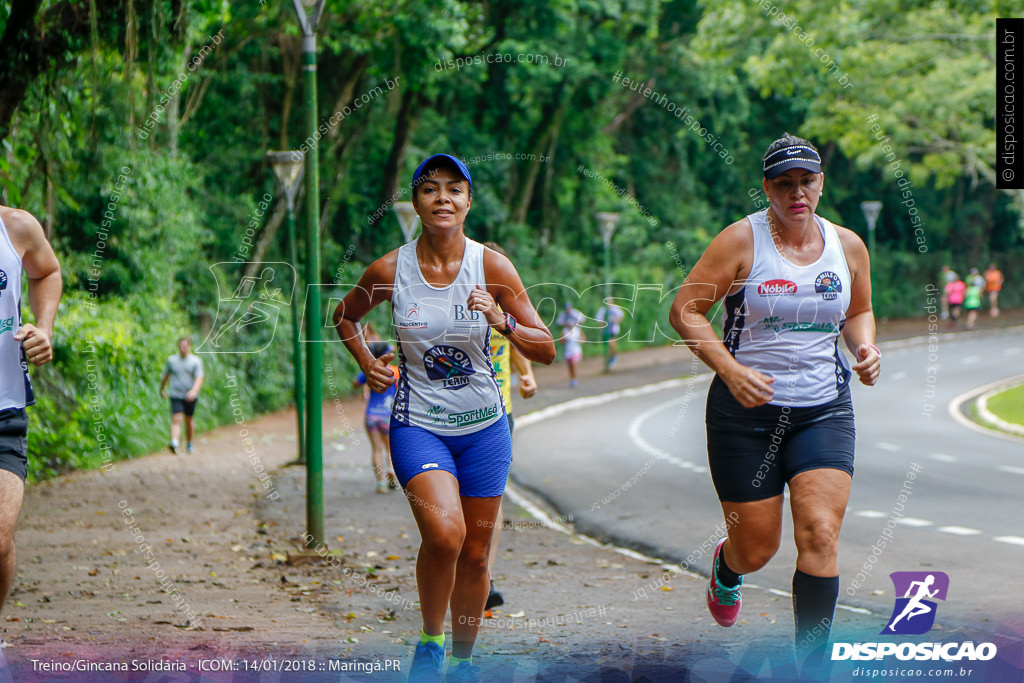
[{"x": 913, "y": 615}]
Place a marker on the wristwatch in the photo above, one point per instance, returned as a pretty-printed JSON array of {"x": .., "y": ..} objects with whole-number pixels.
[{"x": 510, "y": 325}]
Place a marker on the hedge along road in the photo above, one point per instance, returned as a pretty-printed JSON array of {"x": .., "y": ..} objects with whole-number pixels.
[{"x": 928, "y": 492}]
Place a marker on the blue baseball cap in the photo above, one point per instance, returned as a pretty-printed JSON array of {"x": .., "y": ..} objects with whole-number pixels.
[{"x": 431, "y": 161}]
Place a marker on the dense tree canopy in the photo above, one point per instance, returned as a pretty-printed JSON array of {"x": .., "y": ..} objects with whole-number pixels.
[{"x": 136, "y": 131}]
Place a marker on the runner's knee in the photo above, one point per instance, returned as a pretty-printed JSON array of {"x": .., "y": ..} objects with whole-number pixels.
[
  {"x": 818, "y": 537},
  {"x": 751, "y": 556},
  {"x": 473, "y": 556},
  {"x": 445, "y": 538}
]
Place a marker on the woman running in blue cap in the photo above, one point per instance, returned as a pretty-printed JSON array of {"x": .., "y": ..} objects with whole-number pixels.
[{"x": 450, "y": 443}]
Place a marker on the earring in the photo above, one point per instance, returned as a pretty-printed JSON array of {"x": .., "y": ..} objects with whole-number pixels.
[{"x": 820, "y": 193}]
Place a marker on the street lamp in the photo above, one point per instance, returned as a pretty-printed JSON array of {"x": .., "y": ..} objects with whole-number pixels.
[
  {"x": 607, "y": 221},
  {"x": 288, "y": 169},
  {"x": 408, "y": 217},
  {"x": 871, "y": 211},
  {"x": 308, "y": 13}
]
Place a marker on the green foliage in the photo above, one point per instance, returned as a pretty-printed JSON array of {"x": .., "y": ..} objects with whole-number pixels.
[{"x": 550, "y": 142}]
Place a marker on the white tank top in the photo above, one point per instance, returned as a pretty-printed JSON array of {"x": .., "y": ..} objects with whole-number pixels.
[
  {"x": 15, "y": 386},
  {"x": 786, "y": 320},
  {"x": 446, "y": 382}
]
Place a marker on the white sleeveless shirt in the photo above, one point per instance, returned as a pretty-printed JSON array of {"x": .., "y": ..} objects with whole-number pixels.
[
  {"x": 446, "y": 382},
  {"x": 15, "y": 386},
  {"x": 787, "y": 319}
]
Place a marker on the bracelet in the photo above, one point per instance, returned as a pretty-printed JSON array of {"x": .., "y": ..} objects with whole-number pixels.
[{"x": 877, "y": 350}]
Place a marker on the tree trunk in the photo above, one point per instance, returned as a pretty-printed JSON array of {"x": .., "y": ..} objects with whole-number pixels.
[
  {"x": 549, "y": 125},
  {"x": 405, "y": 123}
]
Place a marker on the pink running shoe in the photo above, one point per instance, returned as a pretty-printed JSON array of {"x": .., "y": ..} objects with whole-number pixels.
[{"x": 723, "y": 603}]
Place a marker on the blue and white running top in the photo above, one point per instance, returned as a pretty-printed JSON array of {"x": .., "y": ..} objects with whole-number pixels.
[
  {"x": 446, "y": 382},
  {"x": 786, "y": 320},
  {"x": 15, "y": 386}
]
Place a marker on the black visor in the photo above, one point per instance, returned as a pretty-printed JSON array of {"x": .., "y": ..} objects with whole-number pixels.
[{"x": 795, "y": 156}]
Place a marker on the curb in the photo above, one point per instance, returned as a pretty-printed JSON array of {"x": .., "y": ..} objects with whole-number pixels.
[
  {"x": 988, "y": 416},
  {"x": 958, "y": 412}
]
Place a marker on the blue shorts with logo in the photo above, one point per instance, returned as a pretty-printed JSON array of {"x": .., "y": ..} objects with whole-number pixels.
[{"x": 479, "y": 461}]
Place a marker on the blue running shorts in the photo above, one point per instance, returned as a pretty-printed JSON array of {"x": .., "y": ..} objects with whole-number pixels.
[{"x": 479, "y": 461}]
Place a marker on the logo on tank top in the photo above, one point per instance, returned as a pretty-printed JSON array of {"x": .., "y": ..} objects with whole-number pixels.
[
  {"x": 777, "y": 288},
  {"x": 412, "y": 318},
  {"x": 449, "y": 365},
  {"x": 3, "y": 282},
  {"x": 828, "y": 285}
]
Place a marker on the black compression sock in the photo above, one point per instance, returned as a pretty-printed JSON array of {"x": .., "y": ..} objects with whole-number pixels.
[
  {"x": 727, "y": 577},
  {"x": 814, "y": 605}
]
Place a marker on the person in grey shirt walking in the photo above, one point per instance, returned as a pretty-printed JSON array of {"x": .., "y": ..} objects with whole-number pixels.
[{"x": 184, "y": 371}]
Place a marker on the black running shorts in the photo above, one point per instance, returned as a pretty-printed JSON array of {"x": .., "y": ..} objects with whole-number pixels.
[
  {"x": 180, "y": 405},
  {"x": 754, "y": 452},
  {"x": 14, "y": 441}
]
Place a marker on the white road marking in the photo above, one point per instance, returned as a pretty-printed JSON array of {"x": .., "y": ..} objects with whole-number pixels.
[
  {"x": 601, "y": 399},
  {"x": 914, "y": 521},
  {"x": 644, "y": 445},
  {"x": 897, "y": 375},
  {"x": 959, "y": 530},
  {"x": 968, "y": 360},
  {"x": 886, "y": 446},
  {"x": 942, "y": 457},
  {"x": 1013, "y": 351},
  {"x": 1014, "y": 540},
  {"x": 871, "y": 514},
  {"x": 1011, "y": 469}
]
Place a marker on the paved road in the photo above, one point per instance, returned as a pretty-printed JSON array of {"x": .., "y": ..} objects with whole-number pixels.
[{"x": 632, "y": 468}]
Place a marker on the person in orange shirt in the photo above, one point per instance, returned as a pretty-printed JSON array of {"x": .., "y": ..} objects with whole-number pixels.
[{"x": 993, "y": 285}]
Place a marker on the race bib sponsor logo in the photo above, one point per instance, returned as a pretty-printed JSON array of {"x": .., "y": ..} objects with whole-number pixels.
[
  {"x": 777, "y": 288},
  {"x": 437, "y": 414},
  {"x": 411, "y": 320},
  {"x": 463, "y": 314},
  {"x": 449, "y": 365},
  {"x": 473, "y": 416},
  {"x": 828, "y": 285}
]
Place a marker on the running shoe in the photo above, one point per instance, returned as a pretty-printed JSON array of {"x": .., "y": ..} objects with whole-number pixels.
[
  {"x": 382, "y": 487},
  {"x": 190, "y": 448},
  {"x": 494, "y": 599},
  {"x": 723, "y": 603},
  {"x": 173, "y": 445},
  {"x": 427, "y": 663},
  {"x": 463, "y": 673},
  {"x": 392, "y": 481}
]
